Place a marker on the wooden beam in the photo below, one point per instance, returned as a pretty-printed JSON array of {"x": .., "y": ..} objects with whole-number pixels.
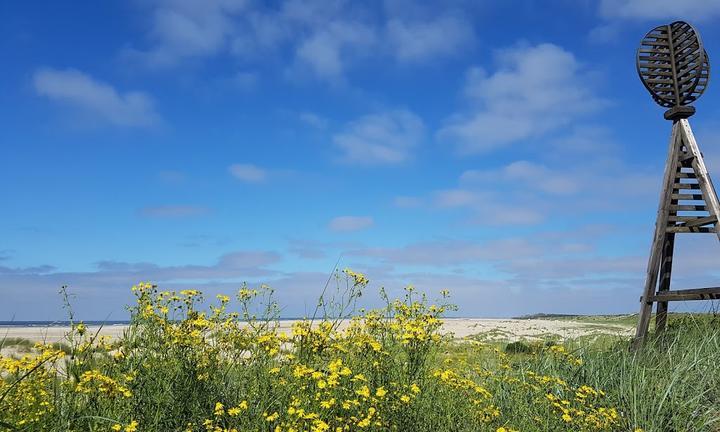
[
  {"x": 687, "y": 207},
  {"x": 674, "y": 218},
  {"x": 664, "y": 283},
  {"x": 712, "y": 293},
  {"x": 661, "y": 222},
  {"x": 686, "y": 186},
  {"x": 701, "y": 221},
  {"x": 684, "y": 229},
  {"x": 687, "y": 197}
]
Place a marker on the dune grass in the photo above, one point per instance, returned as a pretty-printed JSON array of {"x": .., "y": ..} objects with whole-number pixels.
[{"x": 182, "y": 367}]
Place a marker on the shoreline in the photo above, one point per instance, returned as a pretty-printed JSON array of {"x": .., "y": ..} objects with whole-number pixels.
[{"x": 510, "y": 329}]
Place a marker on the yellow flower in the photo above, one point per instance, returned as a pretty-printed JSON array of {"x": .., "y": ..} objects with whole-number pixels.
[
  {"x": 380, "y": 392},
  {"x": 132, "y": 427},
  {"x": 116, "y": 427},
  {"x": 364, "y": 391},
  {"x": 219, "y": 409}
]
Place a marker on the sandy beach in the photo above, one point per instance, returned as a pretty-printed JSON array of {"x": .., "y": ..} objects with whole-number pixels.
[{"x": 490, "y": 329}]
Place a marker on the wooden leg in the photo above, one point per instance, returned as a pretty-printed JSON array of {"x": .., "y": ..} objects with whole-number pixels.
[
  {"x": 646, "y": 306},
  {"x": 661, "y": 223},
  {"x": 664, "y": 284}
]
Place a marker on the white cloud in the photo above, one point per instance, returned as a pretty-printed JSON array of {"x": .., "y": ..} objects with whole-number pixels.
[
  {"x": 184, "y": 29},
  {"x": 452, "y": 252},
  {"x": 350, "y": 223},
  {"x": 422, "y": 40},
  {"x": 325, "y": 37},
  {"x": 530, "y": 174},
  {"x": 324, "y": 52},
  {"x": 383, "y": 138},
  {"x": 248, "y": 173},
  {"x": 314, "y": 120},
  {"x": 535, "y": 90},
  {"x": 97, "y": 98},
  {"x": 660, "y": 9}
]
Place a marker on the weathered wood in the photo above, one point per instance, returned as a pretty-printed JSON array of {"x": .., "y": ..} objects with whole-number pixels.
[
  {"x": 686, "y": 186},
  {"x": 674, "y": 67},
  {"x": 701, "y": 221},
  {"x": 712, "y": 293},
  {"x": 692, "y": 230},
  {"x": 675, "y": 218},
  {"x": 661, "y": 223},
  {"x": 684, "y": 175},
  {"x": 687, "y": 197},
  {"x": 674, "y": 48},
  {"x": 687, "y": 207},
  {"x": 703, "y": 177},
  {"x": 686, "y": 157},
  {"x": 664, "y": 283}
]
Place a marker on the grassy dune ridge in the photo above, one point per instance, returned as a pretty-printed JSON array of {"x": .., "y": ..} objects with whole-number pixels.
[{"x": 183, "y": 367}]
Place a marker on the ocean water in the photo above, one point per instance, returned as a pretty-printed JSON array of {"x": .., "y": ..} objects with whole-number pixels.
[{"x": 58, "y": 323}]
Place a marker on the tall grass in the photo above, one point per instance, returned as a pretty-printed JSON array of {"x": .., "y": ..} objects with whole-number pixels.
[{"x": 183, "y": 367}]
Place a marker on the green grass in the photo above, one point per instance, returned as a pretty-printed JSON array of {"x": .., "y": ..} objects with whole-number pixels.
[{"x": 196, "y": 370}]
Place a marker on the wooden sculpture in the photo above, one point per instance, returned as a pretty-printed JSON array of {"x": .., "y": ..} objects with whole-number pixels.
[{"x": 674, "y": 67}]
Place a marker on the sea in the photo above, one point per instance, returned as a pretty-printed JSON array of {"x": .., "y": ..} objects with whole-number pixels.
[{"x": 59, "y": 323}]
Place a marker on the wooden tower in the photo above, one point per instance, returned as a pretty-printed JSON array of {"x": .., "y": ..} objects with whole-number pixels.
[{"x": 674, "y": 67}]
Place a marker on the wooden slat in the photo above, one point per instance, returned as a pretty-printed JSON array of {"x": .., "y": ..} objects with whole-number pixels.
[
  {"x": 659, "y": 73},
  {"x": 653, "y": 65},
  {"x": 655, "y": 59},
  {"x": 691, "y": 230},
  {"x": 685, "y": 36},
  {"x": 686, "y": 295},
  {"x": 654, "y": 50},
  {"x": 660, "y": 81},
  {"x": 688, "y": 60},
  {"x": 686, "y": 186},
  {"x": 687, "y": 207},
  {"x": 675, "y": 218},
  {"x": 687, "y": 197},
  {"x": 657, "y": 42},
  {"x": 684, "y": 175},
  {"x": 686, "y": 156},
  {"x": 701, "y": 221}
]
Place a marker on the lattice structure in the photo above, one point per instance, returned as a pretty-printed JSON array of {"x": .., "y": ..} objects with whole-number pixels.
[{"x": 674, "y": 67}]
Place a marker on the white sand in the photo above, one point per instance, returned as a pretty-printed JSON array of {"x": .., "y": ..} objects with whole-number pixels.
[{"x": 491, "y": 329}]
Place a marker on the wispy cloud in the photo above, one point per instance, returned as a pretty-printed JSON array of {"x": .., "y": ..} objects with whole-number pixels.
[
  {"x": 535, "y": 90},
  {"x": 350, "y": 223},
  {"x": 173, "y": 211},
  {"x": 248, "y": 173},
  {"x": 79, "y": 90},
  {"x": 384, "y": 138},
  {"x": 701, "y": 10},
  {"x": 324, "y": 37},
  {"x": 421, "y": 40},
  {"x": 182, "y": 30},
  {"x": 314, "y": 120}
]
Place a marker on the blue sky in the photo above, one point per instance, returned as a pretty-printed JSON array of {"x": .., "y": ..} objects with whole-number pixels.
[{"x": 504, "y": 150}]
